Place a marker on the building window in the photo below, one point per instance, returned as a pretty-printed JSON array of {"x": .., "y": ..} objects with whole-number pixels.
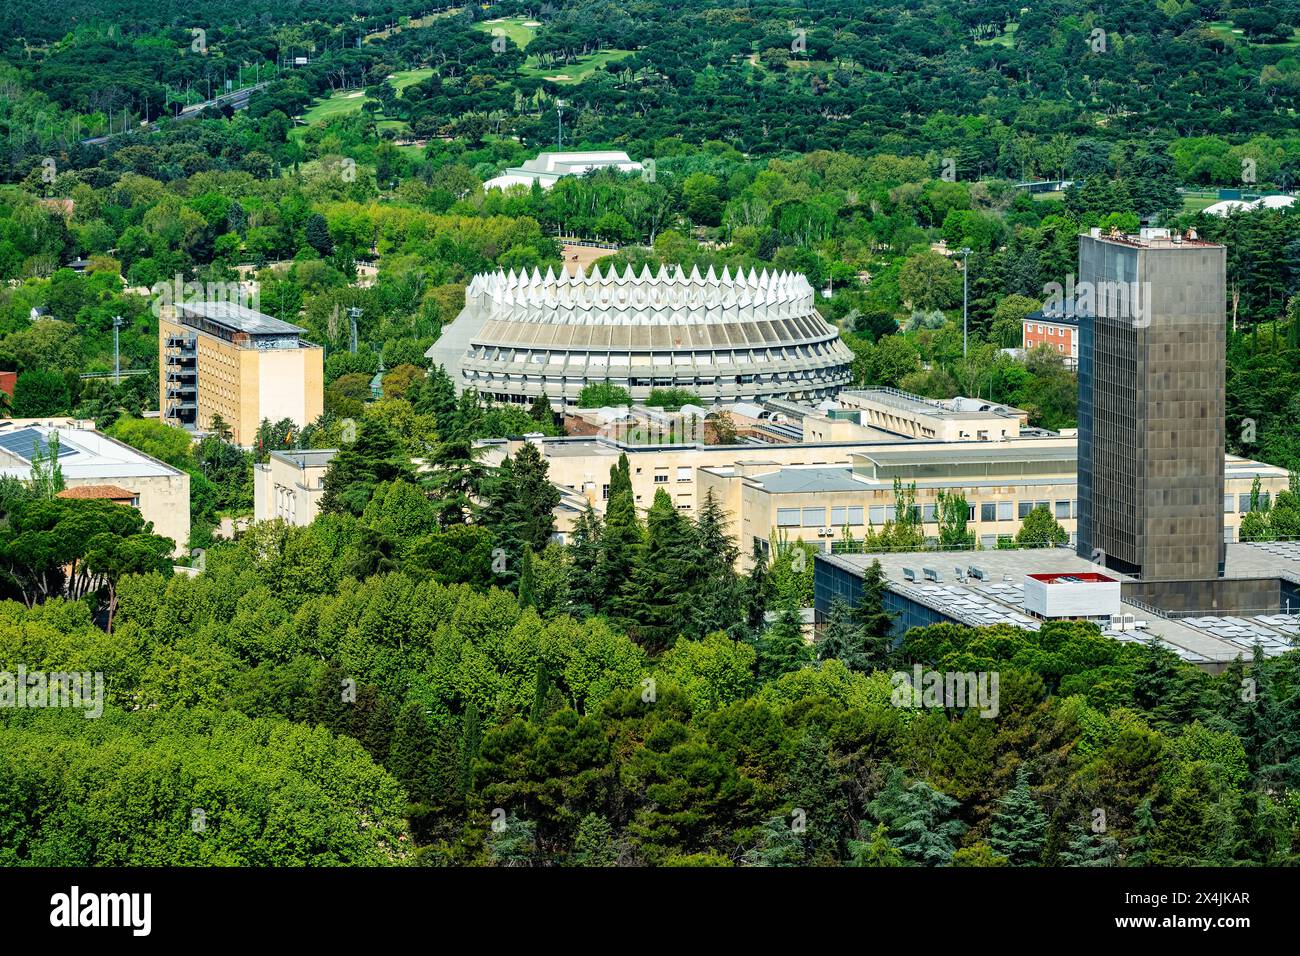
[
  {"x": 855, "y": 515},
  {"x": 839, "y": 516},
  {"x": 661, "y": 479},
  {"x": 988, "y": 511},
  {"x": 1023, "y": 508},
  {"x": 604, "y": 492},
  {"x": 1228, "y": 502},
  {"x": 929, "y": 513},
  {"x": 1006, "y": 510},
  {"x": 814, "y": 517},
  {"x": 685, "y": 474},
  {"x": 1063, "y": 509},
  {"x": 1243, "y": 503},
  {"x": 787, "y": 517},
  {"x": 988, "y": 542},
  {"x": 878, "y": 514}
]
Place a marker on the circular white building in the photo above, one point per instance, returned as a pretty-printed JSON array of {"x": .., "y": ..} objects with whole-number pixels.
[{"x": 726, "y": 338}]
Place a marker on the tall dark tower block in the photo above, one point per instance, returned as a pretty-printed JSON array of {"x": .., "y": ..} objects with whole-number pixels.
[{"x": 1151, "y": 430}]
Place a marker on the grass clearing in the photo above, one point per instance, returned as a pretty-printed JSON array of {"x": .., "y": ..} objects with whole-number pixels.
[{"x": 520, "y": 30}]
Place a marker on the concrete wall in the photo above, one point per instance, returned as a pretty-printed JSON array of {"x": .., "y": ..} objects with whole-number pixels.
[{"x": 282, "y": 490}]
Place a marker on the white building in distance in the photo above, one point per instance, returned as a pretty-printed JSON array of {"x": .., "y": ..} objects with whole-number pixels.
[{"x": 547, "y": 168}]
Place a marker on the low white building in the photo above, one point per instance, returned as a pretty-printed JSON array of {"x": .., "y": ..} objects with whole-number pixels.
[
  {"x": 1072, "y": 594},
  {"x": 547, "y": 168},
  {"x": 290, "y": 485},
  {"x": 96, "y": 466}
]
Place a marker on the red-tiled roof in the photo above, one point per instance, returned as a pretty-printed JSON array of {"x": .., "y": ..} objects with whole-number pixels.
[{"x": 112, "y": 492}]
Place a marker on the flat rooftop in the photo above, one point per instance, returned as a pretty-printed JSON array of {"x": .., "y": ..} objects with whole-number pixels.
[
  {"x": 307, "y": 457},
  {"x": 83, "y": 454},
  {"x": 237, "y": 318},
  {"x": 999, "y": 597},
  {"x": 1153, "y": 238},
  {"x": 792, "y": 480},
  {"x": 956, "y": 409}
]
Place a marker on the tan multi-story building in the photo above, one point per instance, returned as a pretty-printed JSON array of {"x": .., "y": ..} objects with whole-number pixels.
[
  {"x": 96, "y": 466},
  {"x": 220, "y": 359},
  {"x": 827, "y": 506},
  {"x": 813, "y": 492},
  {"x": 289, "y": 486},
  {"x": 930, "y": 419}
]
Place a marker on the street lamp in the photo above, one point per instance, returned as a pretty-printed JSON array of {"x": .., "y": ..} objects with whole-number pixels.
[{"x": 964, "y": 252}]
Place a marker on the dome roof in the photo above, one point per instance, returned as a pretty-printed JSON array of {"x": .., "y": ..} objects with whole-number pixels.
[{"x": 667, "y": 310}]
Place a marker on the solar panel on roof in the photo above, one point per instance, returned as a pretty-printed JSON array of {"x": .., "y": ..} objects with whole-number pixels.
[{"x": 26, "y": 442}]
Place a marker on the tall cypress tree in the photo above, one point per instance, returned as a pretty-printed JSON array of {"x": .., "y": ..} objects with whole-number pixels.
[
  {"x": 665, "y": 583},
  {"x": 723, "y": 610},
  {"x": 621, "y": 546},
  {"x": 471, "y": 736},
  {"x": 409, "y": 755},
  {"x": 586, "y": 594}
]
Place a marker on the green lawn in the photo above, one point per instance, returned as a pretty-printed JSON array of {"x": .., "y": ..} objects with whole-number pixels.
[
  {"x": 339, "y": 104},
  {"x": 520, "y": 30},
  {"x": 1226, "y": 29},
  {"x": 404, "y": 78},
  {"x": 576, "y": 72},
  {"x": 349, "y": 101},
  {"x": 1006, "y": 39},
  {"x": 1197, "y": 203}
]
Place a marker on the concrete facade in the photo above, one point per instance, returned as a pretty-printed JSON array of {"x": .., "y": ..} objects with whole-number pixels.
[{"x": 290, "y": 484}]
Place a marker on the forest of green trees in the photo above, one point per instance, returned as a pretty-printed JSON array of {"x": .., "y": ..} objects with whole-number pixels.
[{"x": 423, "y": 676}]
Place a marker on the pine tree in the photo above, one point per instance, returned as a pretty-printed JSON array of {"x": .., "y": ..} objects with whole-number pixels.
[
  {"x": 875, "y": 851},
  {"x": 779, "y": 844},
  {"x": 782, "y": 648},
  {"x": 436, "y": 395},
  {"x": 722, "y": 605},
  {"x": 841, "y": 637},
  {"x": 540, "y": 410},
  {"x": 818, "y": 790},
  {"x": 454, "y": 480},
  {"x": 874, "y": 622},
  {"x": 594, "y": 844},
  {"x": 758, "y": 591},
  {"x": 1144, "y": 833},
  {"x": 520, "y": 506},
  {"x": 621, "y": 547},
  {"x": 358, "y": 469},
  {"x": 1089, "y": 849},
  {"x": 918, "y": 819},
  {"x": 1019, "y": 828}
]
